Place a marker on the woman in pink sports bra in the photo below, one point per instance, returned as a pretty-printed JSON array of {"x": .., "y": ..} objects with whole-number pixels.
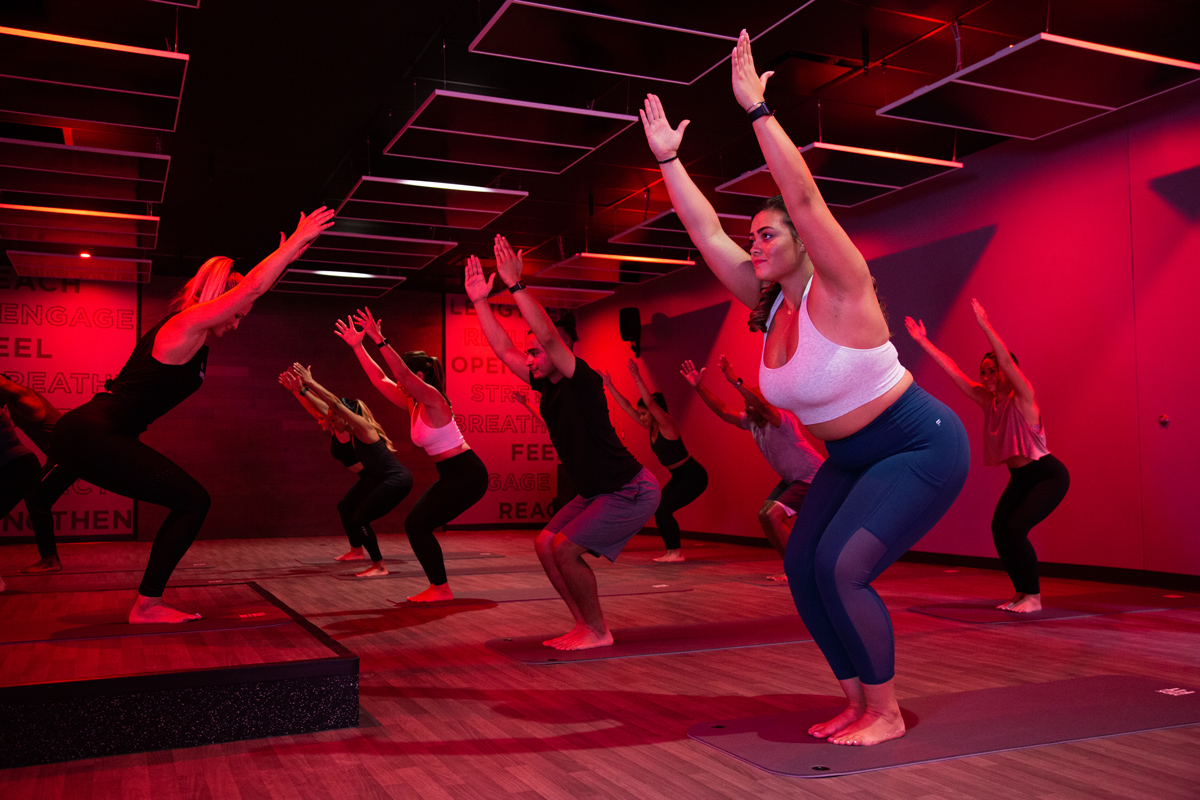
[
  {"x": 897, "y": 457},
  {"x": 420, "y": 386},
  {"x": 1012, "y": 435}
]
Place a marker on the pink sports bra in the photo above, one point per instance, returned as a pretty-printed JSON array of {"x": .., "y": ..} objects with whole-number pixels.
[
  {"x": 823, "y": 380},
  {"x": 434, "y": 440}
]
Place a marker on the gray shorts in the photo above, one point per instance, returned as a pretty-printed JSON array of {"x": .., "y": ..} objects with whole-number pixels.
[
  {"x": 789, "y": 495},
  {"x": 605, "y": 523}
]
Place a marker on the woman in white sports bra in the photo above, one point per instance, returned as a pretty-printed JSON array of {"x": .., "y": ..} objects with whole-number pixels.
[
  {"x": 420, "y": 386},
  {"x": 897, "y": 457}
]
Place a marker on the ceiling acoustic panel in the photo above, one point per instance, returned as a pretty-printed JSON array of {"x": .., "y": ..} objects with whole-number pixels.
[
  {"x": 67, "y": 171},
  {"x": 338, "y": 282},
  {"x": 63, "y": 81},
  {"x": 665, "y": 229},
  {"x": 847, "y": 175},
  {"x": 566, "y": 297},
  {"x": 79, "y": 267},
  {"x": 609, "y": 268},
  {"x": 72, "y": 226},
  {"x": 451, "y": 205},
  {"x": 374, "y": 250},
  {"x": 1042, "y": 85},
  {"x": 487, "y": 131}
]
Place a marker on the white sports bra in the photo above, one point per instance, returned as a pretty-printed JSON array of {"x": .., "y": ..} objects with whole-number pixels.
[{"x": 434, "y": 440}]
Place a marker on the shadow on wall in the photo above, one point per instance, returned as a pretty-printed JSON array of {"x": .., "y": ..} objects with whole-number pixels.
[
  {"x": 667, "y": 341},
  {"x": 1182, "y": 190},
  {"x": 924, "y": 282}
]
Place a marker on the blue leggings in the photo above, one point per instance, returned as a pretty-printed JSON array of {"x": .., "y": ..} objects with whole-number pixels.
[{"x": 878, "y": 493}]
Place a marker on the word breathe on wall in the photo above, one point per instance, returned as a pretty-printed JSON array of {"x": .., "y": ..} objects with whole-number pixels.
[{"x": 63, "y": 339}]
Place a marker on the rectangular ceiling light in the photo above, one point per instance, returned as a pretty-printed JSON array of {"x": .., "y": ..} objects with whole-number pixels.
[
  {"x": 847, "y": 175},
  {"x": 79, "y": 267},
  {"x": 1042, "y": 85},
  {"x": 665, "y": 229},
  {"x": 347, "y": 283},
  {"x": 68, "y": 171},
  {"x": 567, "y": 297},
  {"x": 609, "y": 268},
  {"x": 75, "y": 226},
  {"x": 374, "y": 250},
  {"x": 64, "y": 81},
  {"x": 451, "y": 205},
  {"x": 506, "y": 134}
]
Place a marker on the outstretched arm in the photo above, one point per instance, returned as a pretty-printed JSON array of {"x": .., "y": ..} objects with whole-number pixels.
[
  {"x": 1021, "y": 386},
  {"x": 379, "y": 379},
  {"x": 421, "y": 391},
  {"x": 665, "y": 423},
  {"x": 478, "y": 290},
  {"x": 362, "y": 429},
  {"x": 973, "y": 390},
  {"x": 624, "y": 403},
  {"x": 727, "y": 260},
  {"x": 695, "y": 378},
  {"x": 315, "y": 406},
  {"x": 21, "y": 400},
  {"x": 749, "y": 395},
  {"x": 509, "y": 265}
]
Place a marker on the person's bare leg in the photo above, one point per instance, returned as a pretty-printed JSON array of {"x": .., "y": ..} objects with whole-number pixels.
[
  {"x": 881, "y": 720},
  {"x": 354, "y": 554},
  {"x": 774, "y": 520},
  {"x": 435, "y": 592},
  {"x": 375, "y": 570},
  {"x": 671, "y": 556},
  {"x": 856, "y": 703},
  {"x": 543, "y": 545},
  {"x": 1024, "y": 603},
  {"x": 47, "y": 564},
  {"x": 581, "y": 584},
  {"x": 153, "y": 609}
]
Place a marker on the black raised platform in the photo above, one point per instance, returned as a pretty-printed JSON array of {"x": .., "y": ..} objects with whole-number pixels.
[{"x": 63, "y": 699}]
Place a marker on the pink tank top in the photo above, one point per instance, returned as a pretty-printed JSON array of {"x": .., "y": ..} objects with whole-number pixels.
[
  {"x": 1007, "y": 434},
  {"x": 823, "y": 380},
  {"x": 434, "y": 440}
]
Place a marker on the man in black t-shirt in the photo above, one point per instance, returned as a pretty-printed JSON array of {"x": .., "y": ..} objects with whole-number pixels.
[{"x": 617, "y": 495}]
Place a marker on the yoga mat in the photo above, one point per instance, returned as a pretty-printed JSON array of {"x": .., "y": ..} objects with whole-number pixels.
[
  {"x": 417, "y": 572},
  {"x": 448, "y": 556},
  {"x": 661, "y": 640},
  {"x": 946, "y": 726},
  {"x": 1128, "y": 599},
  {"x": 537, "y": 593},
  {"x": 113, "y": 625},
  {"x": 139, "y": 570}
]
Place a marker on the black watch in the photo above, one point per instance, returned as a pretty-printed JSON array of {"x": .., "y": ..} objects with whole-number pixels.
[
  {"x": 516, "y": 287},
  {"x": 758, "y": 110},
  {"x": 738, "y": 382}
]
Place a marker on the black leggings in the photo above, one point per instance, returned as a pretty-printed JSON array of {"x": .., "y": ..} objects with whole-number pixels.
[
  {"x": 19, "y": 481},
  {"x": 56, "y": 479},
  {"x": 688, "y": 481},
  {"x": 462, "y": 482},
  {"x": 96, "y": 449},
  {"x": 1033, "y": 491},
  {"x": 369, "y": 499}
]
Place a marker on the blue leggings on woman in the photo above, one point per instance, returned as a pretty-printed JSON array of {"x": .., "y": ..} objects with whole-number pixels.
[{"x": 878, "y": 493}]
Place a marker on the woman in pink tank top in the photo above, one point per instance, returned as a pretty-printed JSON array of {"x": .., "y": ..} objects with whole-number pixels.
[{"x": 1012, "y": 435}]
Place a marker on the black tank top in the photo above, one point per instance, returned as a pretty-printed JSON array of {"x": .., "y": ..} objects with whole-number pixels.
[
  {"x": 669, "y": 451},
  {"x": 343, "y": 451},
  {"x": 377, "y": 460},
  {"x": 146, "y": 388}
]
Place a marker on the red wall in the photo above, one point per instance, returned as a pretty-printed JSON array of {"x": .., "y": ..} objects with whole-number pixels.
[{"x": 1083, "y": 248}]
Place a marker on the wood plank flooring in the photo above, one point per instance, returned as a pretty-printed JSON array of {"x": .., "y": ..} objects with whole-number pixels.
[{"x": 445, "y": 717}]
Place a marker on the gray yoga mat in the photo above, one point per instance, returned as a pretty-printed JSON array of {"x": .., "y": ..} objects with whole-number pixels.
[
  {"x": 1119, "y": 601},
  {"x": 536, "y": 593},
  {"x": 417, "y": 572},
  {"x": 113, "y": 626},
  {"x": 79, "y": 571},
  {"x": 946, "y": 726},
  {"x": 448, "y": 556},
  {"x": 660, "y": 640}
]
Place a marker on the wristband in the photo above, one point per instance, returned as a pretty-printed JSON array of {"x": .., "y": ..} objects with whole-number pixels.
[
  {"x": 758, "y": 110},
  {"x": 668, "y": 160},
  {"x": 738, "y": 382},
  {"x": 516, "y": 287},
  {"x": 303, "y": 391},
  {"x": 382, "y": 342}
]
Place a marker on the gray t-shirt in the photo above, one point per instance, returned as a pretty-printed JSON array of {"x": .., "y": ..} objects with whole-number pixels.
[{"x": 785, "y": 448}]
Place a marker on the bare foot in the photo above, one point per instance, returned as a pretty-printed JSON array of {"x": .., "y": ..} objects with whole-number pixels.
[
  {"x": 586, "y": 639},
  {"x": 47, "y": 564},
  {"x": 553, "y": 642},
  {"x": 1008, "y": 606},
  {"x": 372, "y": 571},
  {"x": 780, "y": 578},
  {"x": 1027, "y": 603},
  {"x": 823, "y": 730},
  {"x": 670, "y": 557},
  {"x": 871, "y": 728},
  {"x": 355, "y": 554},
  {"x": 435, "y": 592},
  {"x": 153, "y": 609}
]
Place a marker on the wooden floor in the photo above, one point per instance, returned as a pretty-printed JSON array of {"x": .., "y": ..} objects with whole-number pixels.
[{"x": 446, "y": 717}]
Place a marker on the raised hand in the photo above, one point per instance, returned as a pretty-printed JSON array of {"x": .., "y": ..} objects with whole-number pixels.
[
  {"x": 748, "y": 86},
  {"x": 350, "y": 334},
  {"x": 727, "y": 369},
  {"x": 980, "y": 315},
  {"x": 634, "y": 371},
  {"x": 473, "y": 282},
  {"x": 308, "y": 229},
  {"x": 509, "y": 262},
  {"x": 303, "y": 373},
  {"x": 289, "y": 381},
  {"x": 522, "y": 398},
  {"x": 606, "y": 378},
  {"x": 916, "y": 329},
  {"x": 691, "y": 374},
  {"x": 664, "y": 140},
  {"x": 371, "y": 327}
]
